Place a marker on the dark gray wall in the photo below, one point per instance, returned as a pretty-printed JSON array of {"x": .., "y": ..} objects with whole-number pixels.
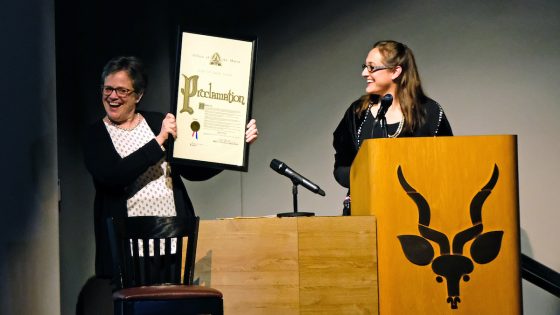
[
  {"x": 29, "y": 256},
  {"x": 492, "y": 65}
]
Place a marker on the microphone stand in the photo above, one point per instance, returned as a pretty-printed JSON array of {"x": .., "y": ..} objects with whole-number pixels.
[
  {"x": 380, "y": 119},
  {"x": 383, "y": 125},
  {"x": 295, "y": 213},
  {"x": 382, "y": 122}
]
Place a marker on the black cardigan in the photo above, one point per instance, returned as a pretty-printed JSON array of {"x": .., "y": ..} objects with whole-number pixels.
[
  {"x": 113, "y": 174},
  {"x": 345, "y": 137}
]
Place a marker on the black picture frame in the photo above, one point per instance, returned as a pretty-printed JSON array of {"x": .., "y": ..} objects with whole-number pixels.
[{"x": 208, "y": 55}]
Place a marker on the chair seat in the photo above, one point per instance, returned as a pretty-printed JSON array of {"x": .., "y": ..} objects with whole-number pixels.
[
  {"x": 162, "y": 283},
  {"x": 166, "y": 292}
]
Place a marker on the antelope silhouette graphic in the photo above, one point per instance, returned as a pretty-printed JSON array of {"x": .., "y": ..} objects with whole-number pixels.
[{"x": 451, "y": 264}]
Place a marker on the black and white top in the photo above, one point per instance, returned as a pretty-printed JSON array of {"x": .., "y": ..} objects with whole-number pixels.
[
  {"x": 151, "y": 194},
  {"x": 113, "y": 175}
]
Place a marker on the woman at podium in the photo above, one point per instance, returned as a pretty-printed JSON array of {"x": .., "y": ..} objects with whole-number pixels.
[{"x": 394, "y": 106}]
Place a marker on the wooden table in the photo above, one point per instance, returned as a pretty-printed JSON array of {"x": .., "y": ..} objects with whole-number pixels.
[{"x": 308, "y": 265}]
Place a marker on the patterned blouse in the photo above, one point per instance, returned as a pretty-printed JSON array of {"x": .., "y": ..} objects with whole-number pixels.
[{"x": 151, "y": 194}]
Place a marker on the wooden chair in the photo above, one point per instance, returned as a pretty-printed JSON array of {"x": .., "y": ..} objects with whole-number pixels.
[{"x": 162, "y": 283}]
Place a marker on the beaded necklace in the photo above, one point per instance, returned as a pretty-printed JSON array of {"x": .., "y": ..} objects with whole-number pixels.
[
  {"x": 399, "y": 129},
  {"x": 134, "y": 123},
  {"x": 363, "y": 121},
  {"x": 396, "y": 134}
]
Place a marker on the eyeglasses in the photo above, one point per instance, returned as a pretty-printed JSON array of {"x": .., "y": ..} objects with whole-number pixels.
[
  {"x": 372, "y": 69},
  {"x": 121, "y": 92}
]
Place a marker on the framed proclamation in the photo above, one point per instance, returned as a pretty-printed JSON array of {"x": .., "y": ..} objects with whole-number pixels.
[{"x": 212, "y": 103}]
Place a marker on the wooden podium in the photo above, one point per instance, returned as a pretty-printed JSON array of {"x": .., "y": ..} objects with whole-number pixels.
[{"x": 447, "y": 222}]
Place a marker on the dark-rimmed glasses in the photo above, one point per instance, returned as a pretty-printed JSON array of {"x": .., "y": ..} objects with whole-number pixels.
[
  {"x": 121, "y": 92},
  {"x": 372, "y": 69}
]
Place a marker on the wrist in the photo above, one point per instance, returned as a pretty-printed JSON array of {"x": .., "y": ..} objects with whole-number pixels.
[{"x": 160, "y": 140}]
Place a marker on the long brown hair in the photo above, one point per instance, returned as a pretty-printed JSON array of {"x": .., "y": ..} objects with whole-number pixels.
[{"x": 409, "y": 91}]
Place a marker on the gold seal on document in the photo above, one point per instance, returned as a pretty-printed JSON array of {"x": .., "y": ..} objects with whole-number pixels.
[{"x": 195, "y": 126}]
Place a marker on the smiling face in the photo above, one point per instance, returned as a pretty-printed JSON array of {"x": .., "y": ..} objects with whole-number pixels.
[
  {"x": 120, "y": 109},
  {"x": 380, "y": 81}
]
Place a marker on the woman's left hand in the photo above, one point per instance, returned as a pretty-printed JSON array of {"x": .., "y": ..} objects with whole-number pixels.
[{"x": 252, "y": 133}]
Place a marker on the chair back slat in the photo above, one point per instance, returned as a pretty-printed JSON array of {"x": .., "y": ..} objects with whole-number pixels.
[
  {"x": 131, "y": 265},
  {"x": 167, "y": 262},
  {"x": 157, "y": 274},
  {"x": 180, "y": 267},
  {"x": 144, "y": 275},
  {"x": 135, "y": 266},
  {"x": 188, "y": 277}
]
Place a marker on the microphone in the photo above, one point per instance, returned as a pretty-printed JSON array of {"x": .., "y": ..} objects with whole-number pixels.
[
  {"x": 386, "y": 102},
  {"x": 296, "y": 178}
]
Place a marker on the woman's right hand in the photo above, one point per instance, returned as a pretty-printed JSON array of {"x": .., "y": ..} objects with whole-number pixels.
[{"x": 168, "y": 126}]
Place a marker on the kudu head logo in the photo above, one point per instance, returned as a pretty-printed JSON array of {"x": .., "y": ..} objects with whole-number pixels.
[{"x": 451, "y": 264}]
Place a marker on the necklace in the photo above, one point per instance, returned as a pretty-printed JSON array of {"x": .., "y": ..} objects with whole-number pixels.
[
  {"x": 399, "y": 129},
  {"x": 132, "y": 122},
  {"x": 363, "y": 121},
  {"x": 396, "y": 134}
]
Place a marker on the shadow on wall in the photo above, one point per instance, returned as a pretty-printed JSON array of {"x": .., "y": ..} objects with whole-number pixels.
[
  {"x": 95, "y": 298},
  {"x": 525, "y": 243},
  {"x": 203, "y": 271}
]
